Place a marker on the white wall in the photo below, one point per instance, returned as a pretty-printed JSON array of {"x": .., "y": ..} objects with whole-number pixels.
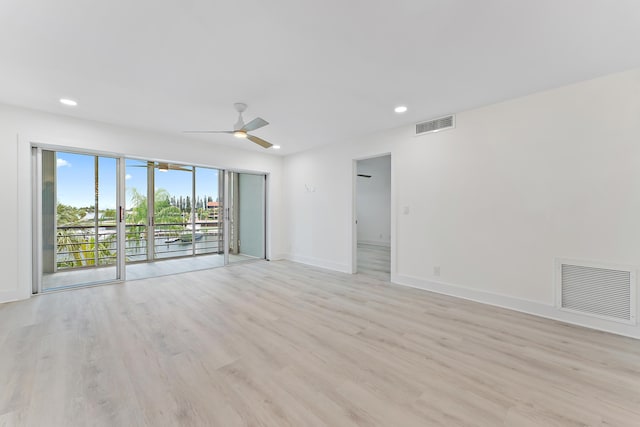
[
  {"x": 373, "y": 201},
  {"x": 19, "y": 127},
  {"x": 494, "y": 201}
]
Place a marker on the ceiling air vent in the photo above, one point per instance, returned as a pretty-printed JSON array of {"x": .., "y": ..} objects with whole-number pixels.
[
  {"x": 435, "y": 125},
  {"x": 607, "y": 292}
]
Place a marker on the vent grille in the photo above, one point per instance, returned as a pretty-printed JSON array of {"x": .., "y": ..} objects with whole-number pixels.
[
  {"x": 435, "y": 125},
  {"x": 601, "y": 292}
]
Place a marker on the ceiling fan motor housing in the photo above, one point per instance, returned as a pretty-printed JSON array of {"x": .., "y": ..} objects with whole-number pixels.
[{"x": 240, "y": 108}]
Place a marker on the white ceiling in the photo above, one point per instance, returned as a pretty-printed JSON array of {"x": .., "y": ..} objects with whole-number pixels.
[{"x": 321, "y": 71}]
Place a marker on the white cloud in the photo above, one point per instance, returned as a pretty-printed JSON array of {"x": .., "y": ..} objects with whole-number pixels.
[
  {"x": 62, "y": 162},
  {"x": 128, "y": 177}
]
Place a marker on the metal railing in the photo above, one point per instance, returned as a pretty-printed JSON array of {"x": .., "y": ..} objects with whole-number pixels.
[
  {"x": 85, "y": 246},
  {"x": 80, "y": 246}
]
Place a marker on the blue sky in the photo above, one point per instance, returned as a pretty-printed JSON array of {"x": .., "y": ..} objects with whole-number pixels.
[{"x": 75, "y": 180}]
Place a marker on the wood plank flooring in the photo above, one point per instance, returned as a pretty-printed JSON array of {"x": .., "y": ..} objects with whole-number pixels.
[
  {"x": 375, "y": 261},
  {"x": 135, "y": 271},
  {"x": 281, "y": 344}
]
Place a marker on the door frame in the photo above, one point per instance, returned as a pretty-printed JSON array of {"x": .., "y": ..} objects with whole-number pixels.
[{"x": 26, "y": 207}]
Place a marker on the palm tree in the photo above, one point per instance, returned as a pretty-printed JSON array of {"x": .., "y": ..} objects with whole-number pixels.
[{"x": 164, "y": 211}]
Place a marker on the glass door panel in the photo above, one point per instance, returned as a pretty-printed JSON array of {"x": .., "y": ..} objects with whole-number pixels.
[
  {"x": 208, "y": 208},
  {"x": 173, "y": 211},
  {"x": 78, "y": 219},
  {"x": 137, "y": 213},
  {"x": 246, "y": 216}
]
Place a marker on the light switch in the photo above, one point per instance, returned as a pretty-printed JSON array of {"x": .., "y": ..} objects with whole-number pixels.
[{"x": 405, "y": 210}]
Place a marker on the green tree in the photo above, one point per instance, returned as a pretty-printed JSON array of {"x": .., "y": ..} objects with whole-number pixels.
[
  {"x": 69, "y": 215},
  {"x": 164, "y": 211},
  {"x": 108, "y": 215}
]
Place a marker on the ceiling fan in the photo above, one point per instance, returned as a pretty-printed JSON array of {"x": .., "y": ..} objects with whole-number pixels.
[
  {"x": 163, "y": 166},
  {"x": 240, "y": 129}
]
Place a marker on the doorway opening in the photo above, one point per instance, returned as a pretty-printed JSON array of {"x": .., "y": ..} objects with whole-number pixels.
[{"x": 373, "y": 217}]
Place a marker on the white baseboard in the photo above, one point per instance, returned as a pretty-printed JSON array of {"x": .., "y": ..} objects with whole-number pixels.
[
  {"x": 318, "y": 262},
  {"x": 535, "y": 308},
  {"x": 375, "y": 243},
  {"x": 13, "y": 295}
]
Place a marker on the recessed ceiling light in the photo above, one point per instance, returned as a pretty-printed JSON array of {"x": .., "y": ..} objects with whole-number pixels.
[
  {"x": 275, "y": 147},
  {"x": 69, "y": 102},
  {"x": 400, "y": 109}
]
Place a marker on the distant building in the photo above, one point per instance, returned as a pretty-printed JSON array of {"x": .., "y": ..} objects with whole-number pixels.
[{"x": 213, "y": 209}]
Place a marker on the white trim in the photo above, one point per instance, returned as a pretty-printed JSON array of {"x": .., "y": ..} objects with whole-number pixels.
[
  {"x": 394, "y": 220},
  {"x": 14, "y": 295},
  {"x": 535, "y": 308},
  {"x": 353, "y": 225},
  {"x": 318, "y": 262}
]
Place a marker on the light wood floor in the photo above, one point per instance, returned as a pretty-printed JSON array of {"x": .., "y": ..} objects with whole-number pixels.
[
  {"x": 281, "y": 344},
  {"x": 374, "y": 261},
  {"x": 135, "y": 271}
]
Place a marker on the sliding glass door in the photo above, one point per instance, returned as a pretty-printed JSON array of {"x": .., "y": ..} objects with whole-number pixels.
[
  {"x": 174, "y": 212},
  {"x": 78, "y": 231},
  {"x": 97, "y": 215},
  {"x": 246, "y": 214}
]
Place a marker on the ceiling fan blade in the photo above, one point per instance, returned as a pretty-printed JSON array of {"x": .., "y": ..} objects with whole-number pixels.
[
  {"x": 146, "y": 165},
  {"x": 207, "y": 131},
  {"x": 162, "y": 166},
  {"x": 261, "y": 142},
  {"x": 254, "y": 124}
]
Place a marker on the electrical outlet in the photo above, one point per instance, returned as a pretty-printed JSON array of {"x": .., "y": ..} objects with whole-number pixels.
[{"x": 436, "y": 270}]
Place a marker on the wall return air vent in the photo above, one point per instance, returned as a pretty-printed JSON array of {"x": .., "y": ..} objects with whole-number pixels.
[
  {"x": 436, "y": 125},
  {"x": 603, "y": 291}
]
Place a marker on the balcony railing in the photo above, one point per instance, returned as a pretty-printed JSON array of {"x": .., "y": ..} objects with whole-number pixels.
[{"x": 85, "y": 246}]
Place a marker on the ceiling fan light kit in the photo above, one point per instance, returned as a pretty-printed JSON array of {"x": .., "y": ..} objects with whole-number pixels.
[{"x": 240, "y": 129}]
